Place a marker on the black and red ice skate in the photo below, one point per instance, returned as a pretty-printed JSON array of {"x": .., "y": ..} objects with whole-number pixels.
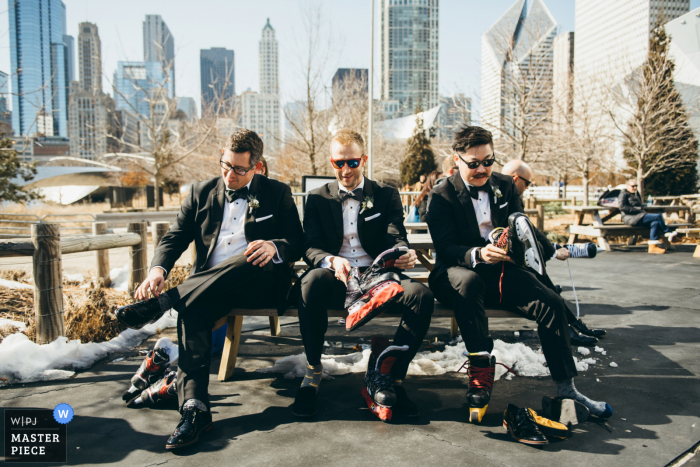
[
  {"x": 519, "y": 242},
  {"x": 151, "y": 370},
  {"x": 162, "y": 391},
  {"x": 481, "y": 368},
  {"x": 369, "y": 294},
  {"x": 379, "y": 391}
]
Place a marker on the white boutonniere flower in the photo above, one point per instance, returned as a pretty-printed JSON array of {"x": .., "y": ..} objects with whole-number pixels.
[
  {"x": 497, "y": 193},
  {"x": 253, "y": 203},
  {"x": 367, "y": 203}
]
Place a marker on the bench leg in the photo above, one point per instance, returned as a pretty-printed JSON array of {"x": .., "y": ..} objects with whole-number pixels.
[
  {"x": 230, "y": 353},
  {"x": 603, "y": 243},
  {"x": 275, "y": 328},
  {"x": 454, "y": 328},
  {"x": 632, "y": 240}
]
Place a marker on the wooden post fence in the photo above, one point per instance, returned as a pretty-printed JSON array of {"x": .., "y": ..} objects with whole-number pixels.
[
  {"x": 48, "y": 288},
  {"x": 540, "y": 217},
  {"x": 139, "y": 256},
  {"x": 159, "y": 230},
  {"x": 101, "y": 256}
]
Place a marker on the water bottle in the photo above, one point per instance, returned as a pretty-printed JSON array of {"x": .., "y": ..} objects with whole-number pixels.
[{"x": 649, "y": 201}]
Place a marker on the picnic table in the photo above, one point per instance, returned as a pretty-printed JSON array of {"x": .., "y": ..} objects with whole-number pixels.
[{"x": 602, "y": 227}]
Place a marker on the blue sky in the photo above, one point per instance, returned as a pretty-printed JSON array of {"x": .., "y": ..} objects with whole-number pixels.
[{"x": 236, "y": 24}]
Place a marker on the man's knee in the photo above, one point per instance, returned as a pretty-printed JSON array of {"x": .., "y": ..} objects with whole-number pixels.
[
  {"x": 415, "y": 292},
  {"x": 465, "y": 281}
]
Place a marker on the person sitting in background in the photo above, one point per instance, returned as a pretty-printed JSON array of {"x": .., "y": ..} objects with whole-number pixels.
[
  {"x": 633, "y": 213},
  {"x": 419, "y": 184},
  {"x": 263, "y": 168},
  {"x": 578, "y": 331},
  {"x": 448, "y": 166},
  {"x": 421, "y": 202}
]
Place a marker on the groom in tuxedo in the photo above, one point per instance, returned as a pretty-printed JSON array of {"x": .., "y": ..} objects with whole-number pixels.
[{"x": 246, "y": 231}]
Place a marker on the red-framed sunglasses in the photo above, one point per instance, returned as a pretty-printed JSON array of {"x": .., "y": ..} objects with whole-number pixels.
[{"x": 352, "y": 163}]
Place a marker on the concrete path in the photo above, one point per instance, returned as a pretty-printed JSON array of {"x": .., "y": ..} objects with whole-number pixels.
[{"x": 650, "y": 306}]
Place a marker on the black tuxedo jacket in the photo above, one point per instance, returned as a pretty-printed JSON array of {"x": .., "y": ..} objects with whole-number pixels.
[
  {"x": 201, "y": 215},
  {"x": 453, "y": 224},
  {"x": 379, "y": 228}
]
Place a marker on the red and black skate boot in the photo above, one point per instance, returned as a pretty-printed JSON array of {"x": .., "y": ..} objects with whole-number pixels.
[
  {"x": 151, "y": 370},
  {"x": 371, "y": 293},
  {"x": 379, "y": 390},
  {"x": 162, "y": 391},
  {"x": 481, "y": 368}
]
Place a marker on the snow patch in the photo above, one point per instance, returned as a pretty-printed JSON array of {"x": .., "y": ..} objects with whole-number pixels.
[
  {"x": 24, "y": 361},
  {"x": 519, "y": 357},
  {"x": 613, "y": 364},
  {"x": 19, "y": 325},
  {"x": 74, "y": 277},
  {"x": 14, "y": 285},
  {"x": 119, "y": 278},
  {"x": 599, "y": 349},
  {"x": 583, "y": 351}
]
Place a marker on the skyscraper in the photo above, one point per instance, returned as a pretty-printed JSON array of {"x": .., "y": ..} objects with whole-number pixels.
[
  {"x": 88, "y": 116},
  {"x": 136, "y": 83},
  {"x": 409, "y": 53},
  {"x": 516, "y": 68},
  {"x": 268, "y": 61},
  {"x": 159, "y": 46},
  {"x": 353, "y": 80},
  {"x": 563, "y": 76},
  {"x": 217, "y": 76},
  {"x": 37, "y": 49}
]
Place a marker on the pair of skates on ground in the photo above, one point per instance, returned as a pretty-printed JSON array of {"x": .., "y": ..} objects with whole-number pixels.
[{"x": 155, "y": 382}]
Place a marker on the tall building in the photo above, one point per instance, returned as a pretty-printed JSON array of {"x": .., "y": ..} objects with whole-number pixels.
[
  {"x": 409, "y": 53},
  {"x": 563, "y": 76},
  {"x": 455, "y": 111},
  {"x": 159, "y": 46},
  {"x": 260, "y": 112},
  {"x": 187, "y": 105},
  {"x": 89, "y": 108},
  {"x": 612, "y": 38},
  {"x": 217, "y": 76},
  {"x": 69, "y": 62},
  {"x": 137, "y": 83},
  {"x": 516, "y": 57},
  {"x": 5, "y": 114},
  {"x": 37, "y": 50},
  {"x": 269, "y": 61},
  {"x": 355, "y": 77}
]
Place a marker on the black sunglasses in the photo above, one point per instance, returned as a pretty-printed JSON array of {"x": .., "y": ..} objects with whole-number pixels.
[
  {"x": 352, "y": 163},
  {"x": 474, "y": 164},
  {"x": 527, "y": 182},
  {"x": 237, "y": 170}
]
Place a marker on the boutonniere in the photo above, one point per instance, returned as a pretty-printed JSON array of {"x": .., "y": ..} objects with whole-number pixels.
[
  {"x": 253, "y": 203},
  {"x": 497, "y": 193},
  {"x": 367, "y": 203}
]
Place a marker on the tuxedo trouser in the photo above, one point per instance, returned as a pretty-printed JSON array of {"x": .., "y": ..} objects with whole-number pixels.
[
  {"x": 570, "y": 316},
  {"x": 469, "y": 291},
  {"x": 320, "y": 290},
  {"x": 203, "y": 299}
]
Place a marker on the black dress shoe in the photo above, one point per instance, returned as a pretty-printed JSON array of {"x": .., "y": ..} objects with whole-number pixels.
[
  {"x": 140, "y": 314},
  {"x": 581, "y": 327},
  {"x": 404, "y": 407},
  {"x": 192, "y": 424},
  {"x": 580, "y": 339},
  {"x": 305, "y": 403},
  {"x": 522, "y": 427}
]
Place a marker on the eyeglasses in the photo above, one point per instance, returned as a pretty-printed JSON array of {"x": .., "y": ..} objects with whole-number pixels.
[
  {"x": 474, "y": 164},
  {"x": 634, "y": 186},
  {"x": 352, "y": 163},
  {"x": 237, "y": 170},
  {"x": 527, "y": 182}
]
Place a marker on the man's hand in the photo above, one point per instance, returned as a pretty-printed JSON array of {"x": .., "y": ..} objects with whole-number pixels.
[
  {"x": 153, "y": 283},
  {"x": 260, "y": 252},
  {"x": 407, "y": 261},
  {"x": 562, "y": 254},
  {"x": 492, "y": 254},
  {"x": 341, "y": 267}
]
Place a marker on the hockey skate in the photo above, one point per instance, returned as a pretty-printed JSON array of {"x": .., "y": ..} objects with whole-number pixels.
[
  {"x": 481, "y": 369},
  {"x": 152, "y": 368},
  {"x": 519, "y": 242},
  {"x": 164, "y": 390},
  {"x": 369, "y": 294},
  {"x": 378, "y": 392}
]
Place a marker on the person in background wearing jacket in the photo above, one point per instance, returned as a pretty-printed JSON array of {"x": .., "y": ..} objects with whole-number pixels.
[
  {"x": 421, "y": 203},
  {"x": 633, "y": 213}
]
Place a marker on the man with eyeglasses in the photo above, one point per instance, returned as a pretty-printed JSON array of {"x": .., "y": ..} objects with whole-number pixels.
[
  {"x": 633, "y": 213},
  {"x": 348, "y": 223},
  {"x": 246, "y": 231},
  {"x": 470, "y": 273}
]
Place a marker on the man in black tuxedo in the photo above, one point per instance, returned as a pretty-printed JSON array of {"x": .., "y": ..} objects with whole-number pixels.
[
  {"x": 471, "y": 273},
  {"x": 246, "y": 231},
  {"x": 348, "y": 223}
]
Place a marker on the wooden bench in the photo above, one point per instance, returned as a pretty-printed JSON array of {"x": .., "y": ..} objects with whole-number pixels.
[
  {"x": 235, "y": 324},
  {"x": 602, "y": 231},
  {"x": 695, "y": 233}
]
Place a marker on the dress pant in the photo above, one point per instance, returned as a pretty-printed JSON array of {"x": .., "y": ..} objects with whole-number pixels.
[
  {"x": 320, "y": 290},
  {"x": 470, "y": 291},
  {"x": 203, "y": 299},
  {"x": 570, "y": 316}
]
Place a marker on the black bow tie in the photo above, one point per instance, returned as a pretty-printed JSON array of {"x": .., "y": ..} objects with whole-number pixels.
[
  {"x": 356, "y": 194},
  {"x": 233, "y": 195},
  {"x": 474, "y": 190}
]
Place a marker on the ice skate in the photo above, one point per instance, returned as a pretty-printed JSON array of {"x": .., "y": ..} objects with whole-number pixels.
[
  {"x": 162, "y": 391},
  {"x": 519, "y": 242},
  {"x": 481, "y": 370},
  {"x": 370, "y": 294},
  {"x": 152, "y": 368},
  {"x": 379, "y": 393}
]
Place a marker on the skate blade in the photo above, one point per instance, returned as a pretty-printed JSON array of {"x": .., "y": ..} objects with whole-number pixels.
[
  {"x": 526, "y": 234},
  {"x": 477, "y": 413}
]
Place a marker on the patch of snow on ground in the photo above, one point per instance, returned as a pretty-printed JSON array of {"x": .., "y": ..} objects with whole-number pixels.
[
  {"x": 23, "y": 361},
  {"x": 583, "y": 351},
  {"x": 74, "y": 277},
  {"x": 14, "y": 285},
  {"x": 19, "y": 325},
  {"x": 519, "y": 357},
  {"x": 599, "y": 349},
  {"x": 119, "y": 278},
  {"x": 613, "y": 364}
]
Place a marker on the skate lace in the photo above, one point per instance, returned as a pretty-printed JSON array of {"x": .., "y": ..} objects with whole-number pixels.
[
  {"x": 482, "y": 378},
  {"x": 502, "y": 241}
]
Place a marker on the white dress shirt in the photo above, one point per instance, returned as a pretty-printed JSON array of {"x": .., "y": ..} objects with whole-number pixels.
[
  {"x": 352, "y": 249},
  {"x": 482, "y": 209}
]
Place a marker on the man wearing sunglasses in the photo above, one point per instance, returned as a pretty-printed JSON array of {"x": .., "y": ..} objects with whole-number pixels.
[
  {"x": 246, "y": 231},
  {"x": 633, "y": 213},
  {"x": 470, "y": 273},
  {"x": 348, "y": 223}
]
